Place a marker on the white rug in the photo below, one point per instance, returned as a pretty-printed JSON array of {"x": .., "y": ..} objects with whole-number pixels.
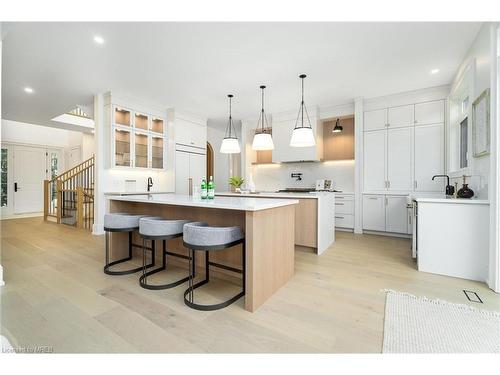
[{"x": 421, "y": 325}]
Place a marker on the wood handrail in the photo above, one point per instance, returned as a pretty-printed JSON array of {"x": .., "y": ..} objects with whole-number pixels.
[{"x": 80, "y": 167}]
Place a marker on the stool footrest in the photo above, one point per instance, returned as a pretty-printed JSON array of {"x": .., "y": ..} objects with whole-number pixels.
[
  {"x": 216, "y": 306},
  {"x": 124, "y": 272}
]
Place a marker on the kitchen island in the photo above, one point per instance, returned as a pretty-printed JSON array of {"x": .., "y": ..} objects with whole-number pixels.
[
  {"x": 269, "y": 235},
  {"x": 314, "y": 216}
]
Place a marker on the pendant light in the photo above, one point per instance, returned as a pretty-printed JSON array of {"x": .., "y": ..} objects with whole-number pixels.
[
  {"x": 302, "y": 135},
  {"x": 262, "y": 140},
  {"x": 337, "y": 128},
  {"x": 230, "y": 144}
]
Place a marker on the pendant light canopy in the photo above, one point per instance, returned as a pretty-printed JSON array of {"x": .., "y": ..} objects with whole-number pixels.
[
  {"x": 302, "y": 135},
  {"x": 337, "y": 128},
  {"x": 230, "y": 144},
  {"x": 262, "y": 140}
]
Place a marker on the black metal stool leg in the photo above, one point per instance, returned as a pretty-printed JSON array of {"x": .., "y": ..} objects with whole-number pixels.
[
  {"x": 109, "y": 264},
  {"x": 143, "y": 279}
]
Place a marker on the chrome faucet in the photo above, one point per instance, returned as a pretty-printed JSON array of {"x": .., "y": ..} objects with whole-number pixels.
[{"x": 150, "y": 183}]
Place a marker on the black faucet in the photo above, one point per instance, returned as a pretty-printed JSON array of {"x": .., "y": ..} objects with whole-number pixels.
[
  {"x": 298, "y": 176},
  {"x": 150, "y": 183},
  {"x": 450, "y": 190}
]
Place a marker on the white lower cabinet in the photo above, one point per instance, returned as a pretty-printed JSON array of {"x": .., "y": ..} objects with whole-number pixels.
[
  {"x": 396, "y": 214},
  {"x": 374, "y": 212},
  {"x": 385, "y": 213},
  {"x": 344, "y": 211}
]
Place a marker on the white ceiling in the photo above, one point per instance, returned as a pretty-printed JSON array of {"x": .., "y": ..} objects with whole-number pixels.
[{"x": 194, "y": 66}]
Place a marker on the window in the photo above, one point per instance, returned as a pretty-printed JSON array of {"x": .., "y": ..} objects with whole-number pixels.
[
  {"x": 463, "y": 143},
  {"x": 3, "y": 179}
]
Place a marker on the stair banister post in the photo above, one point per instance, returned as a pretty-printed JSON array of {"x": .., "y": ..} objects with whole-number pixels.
[{"x": 79, "y": 207}]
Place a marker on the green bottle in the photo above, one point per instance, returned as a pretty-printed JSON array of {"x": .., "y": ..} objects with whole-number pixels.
[
  {"x": 211, "y": 188},
  {"x": 204, "y": 191}
]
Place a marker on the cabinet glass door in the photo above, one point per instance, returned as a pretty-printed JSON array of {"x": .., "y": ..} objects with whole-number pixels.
[
  {"x": 157, "y": 152},
  {"x": 157, "y": 125},
  {"x": 141, "y": 150},
  {"x": 122, "y": 148},
  {"x": 141, "y": 121},
  {"x": 122, "y": 117}
]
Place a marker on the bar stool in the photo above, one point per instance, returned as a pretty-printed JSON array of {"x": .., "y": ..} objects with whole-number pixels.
[
  {"x": 157, "y": 228},
  {"x": 122, "y": 222},
  {"x": 201, "y": 237}
]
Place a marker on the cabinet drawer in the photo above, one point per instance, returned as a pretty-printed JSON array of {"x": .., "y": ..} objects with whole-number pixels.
[
  {"x": 344, "y": 221},
  {"x": 344, "y": 207}
]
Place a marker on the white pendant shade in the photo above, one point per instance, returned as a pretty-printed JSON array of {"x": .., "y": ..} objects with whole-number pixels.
[
  {"x": 230, "y": 146},
  {"x": 302, "y": 137},
  {"x": 262, "y": 141}
]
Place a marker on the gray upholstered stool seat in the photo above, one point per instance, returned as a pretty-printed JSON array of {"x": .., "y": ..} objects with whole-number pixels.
[
  {"x": 158, "y": 228},
  {"x": 123, "y": 222},
  {"x": 201, "y": 237}
]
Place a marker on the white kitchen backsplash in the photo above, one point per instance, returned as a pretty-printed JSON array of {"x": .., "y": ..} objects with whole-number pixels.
[{"x": 270, "y": 177}]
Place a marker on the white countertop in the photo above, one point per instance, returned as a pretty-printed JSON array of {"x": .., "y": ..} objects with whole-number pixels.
[
  {"x": 134, "y": 192},
  {"x": 451, "y": 200},
  {"x": 227, "y": 203}
]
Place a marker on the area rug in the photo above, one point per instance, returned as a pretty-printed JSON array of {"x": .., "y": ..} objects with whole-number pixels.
[{"x": 421, "y": 325}]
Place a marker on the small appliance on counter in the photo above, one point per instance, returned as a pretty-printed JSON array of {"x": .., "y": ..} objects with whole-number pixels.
[{"x": 324, "y": 185}]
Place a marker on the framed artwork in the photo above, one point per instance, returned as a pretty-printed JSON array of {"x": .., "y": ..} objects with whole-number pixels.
[{"x": 481, "y": 124}]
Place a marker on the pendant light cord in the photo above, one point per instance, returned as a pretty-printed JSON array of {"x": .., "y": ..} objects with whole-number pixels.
[
  {"x": 230, "y": 125},
  {"x": 262, "y": 124},
  {"x": 302, "y": 108}
]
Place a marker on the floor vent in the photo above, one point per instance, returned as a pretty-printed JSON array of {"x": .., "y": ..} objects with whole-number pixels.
[{"x": 472, "y": 296}]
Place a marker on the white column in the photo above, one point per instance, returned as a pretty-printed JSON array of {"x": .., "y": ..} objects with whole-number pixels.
[
  {"x": 1, "y": 268},
  {"x": 358, "y": 164},
  {"x": 100, "y": 149}
]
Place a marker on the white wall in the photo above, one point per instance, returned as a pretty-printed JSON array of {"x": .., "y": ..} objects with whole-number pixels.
[
  {"x": 21, "y": 132},
  {"x": 479, "y": 52},
  {"x": 269, "y": 177},
  {"x": 222, "y": 162}
]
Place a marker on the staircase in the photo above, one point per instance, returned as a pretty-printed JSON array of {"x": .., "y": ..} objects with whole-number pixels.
[{"x": 69, "y": 197}]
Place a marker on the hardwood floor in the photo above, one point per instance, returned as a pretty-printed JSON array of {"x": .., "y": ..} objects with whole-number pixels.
[{"x": 56, "y": 295}]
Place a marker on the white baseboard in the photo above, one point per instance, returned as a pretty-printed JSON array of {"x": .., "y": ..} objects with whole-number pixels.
[
  {"x": 21, "y": 216},
  {"x": 97, "y": 229},
  {"x": 388, "y": 234}
]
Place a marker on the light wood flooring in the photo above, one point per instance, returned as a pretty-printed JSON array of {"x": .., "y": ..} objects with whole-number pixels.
[{"x": 56, "y": 295}]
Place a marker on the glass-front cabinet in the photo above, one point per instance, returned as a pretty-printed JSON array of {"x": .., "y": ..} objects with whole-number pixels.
[{"x": 138, "y": 139}]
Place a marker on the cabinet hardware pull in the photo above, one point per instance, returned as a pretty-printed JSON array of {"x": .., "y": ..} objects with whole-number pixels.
[
  {"x": 388, "y": 184},
  {"x": 374, "y": 198},
  {"x": 339, "y": 204},
  {"x": 416, "y": 184},
  {"x": 339, "y": 217}
]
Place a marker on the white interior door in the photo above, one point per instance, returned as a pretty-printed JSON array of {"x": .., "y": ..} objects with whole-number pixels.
[
  {"x": 75, "y": 156},
  {"x": 399, "y": 158},
  {"x": 29, "y": 173}
]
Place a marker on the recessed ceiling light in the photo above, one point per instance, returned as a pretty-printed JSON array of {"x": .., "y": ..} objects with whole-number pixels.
[
  {"x": 99, "y": 39},
  {"x": 29, "y": 90},
  {"x": 434, "y": 71}
]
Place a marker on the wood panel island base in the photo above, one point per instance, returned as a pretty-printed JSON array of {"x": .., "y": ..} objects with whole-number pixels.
[{"x": 269, "y": 236}]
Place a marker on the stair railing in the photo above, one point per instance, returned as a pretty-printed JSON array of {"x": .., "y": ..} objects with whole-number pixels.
[{"x": 69, "y": 197}]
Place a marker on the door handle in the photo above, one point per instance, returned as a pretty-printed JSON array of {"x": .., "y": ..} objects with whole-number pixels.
[{"x": 15, "y": 187}]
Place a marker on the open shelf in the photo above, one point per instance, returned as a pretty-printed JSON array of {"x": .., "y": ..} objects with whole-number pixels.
[
  {"x": 122, "y": 117},
  {"x": 338, "y": 146}
]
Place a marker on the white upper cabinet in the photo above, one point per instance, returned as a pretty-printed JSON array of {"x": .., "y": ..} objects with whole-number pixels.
[
  {"x": 396, "y": 214},
  {"x": 375, "y": 120},
  {"x": 429, "y": 157},
  {"x": 189, "y": 133},
  {"x": 402, "y": 116},
  {"x": 282, "y": 133},
  {"x": 374, "y": 160},
  {"x": 429, "y": 112},
  {"x": 399, "y": 159}
]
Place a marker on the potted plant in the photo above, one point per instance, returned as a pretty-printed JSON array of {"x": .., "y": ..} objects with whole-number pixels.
[{"x": 236, "y": 182}]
